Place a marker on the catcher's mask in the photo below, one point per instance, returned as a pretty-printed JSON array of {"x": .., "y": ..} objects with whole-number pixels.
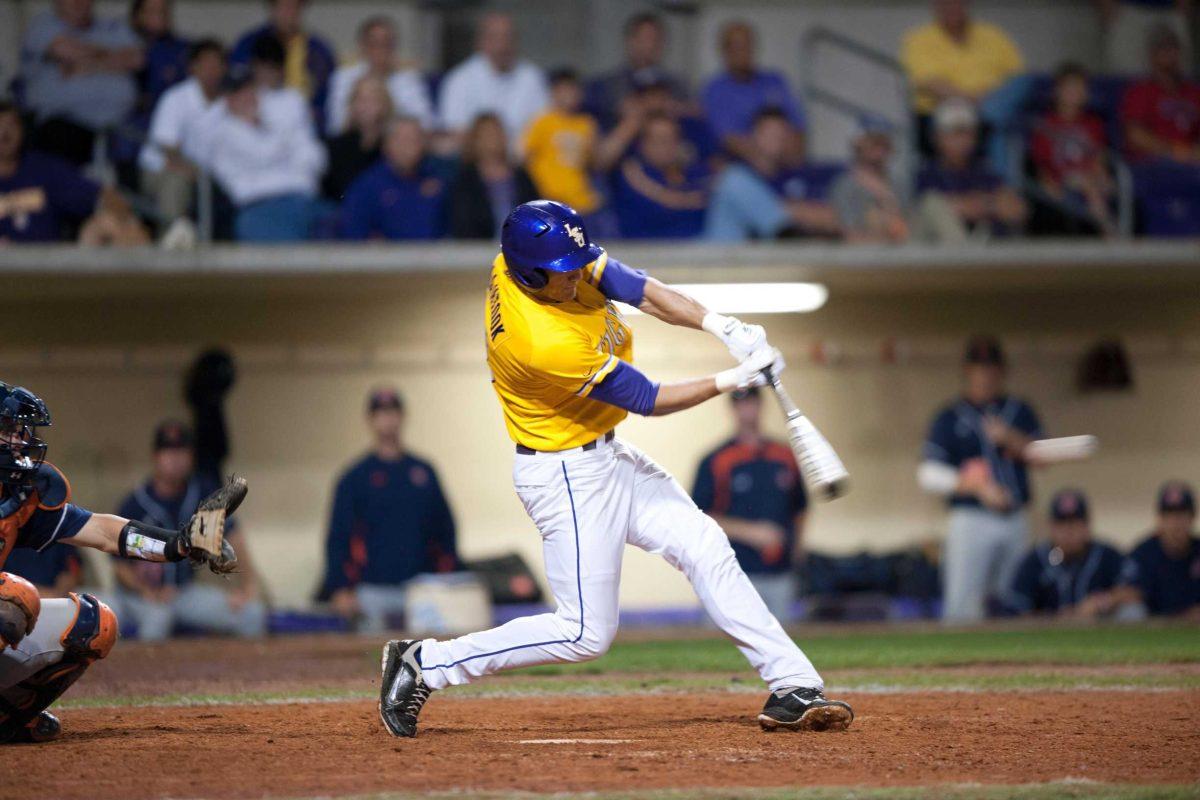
[{"x": 21, "y": 451}]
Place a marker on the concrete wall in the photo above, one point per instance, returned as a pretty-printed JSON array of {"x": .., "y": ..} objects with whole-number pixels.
[{"x": 308, "y": 349}]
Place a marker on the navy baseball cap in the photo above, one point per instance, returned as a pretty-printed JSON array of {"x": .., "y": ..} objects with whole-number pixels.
[
  {"x": 171, "y": 434},
  {"x": 1068, "y": 505},
  {"x": 1176, "y": 496},
  {"x": 984, "y": 349},
  {"x": 384, "y": 397}
]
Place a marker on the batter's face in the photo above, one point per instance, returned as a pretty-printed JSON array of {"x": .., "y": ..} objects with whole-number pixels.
[{"x": 562, "y": 286}]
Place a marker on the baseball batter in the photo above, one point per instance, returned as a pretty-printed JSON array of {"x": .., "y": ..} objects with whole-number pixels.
[
  {"x": 561, "y": 361},
  {"x": 45, "y": 645}
]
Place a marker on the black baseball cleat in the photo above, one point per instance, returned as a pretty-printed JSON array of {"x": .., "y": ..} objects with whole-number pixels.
[
  {"x": 804, "y": 710},
  {"x": 403, "y": 691},
  {"x": 45, "y": 727}
]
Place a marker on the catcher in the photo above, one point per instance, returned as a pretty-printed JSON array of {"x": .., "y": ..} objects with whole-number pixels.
[{"x": 46, "y": 645}]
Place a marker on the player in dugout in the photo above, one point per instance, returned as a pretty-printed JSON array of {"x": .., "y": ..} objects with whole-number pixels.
[
  {"x": 45, "y": 645},
  {"x": 560, "y": 355}
]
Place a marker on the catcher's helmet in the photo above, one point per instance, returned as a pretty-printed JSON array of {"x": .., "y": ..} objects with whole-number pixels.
[
  {"x": 21, "y": 451},
  {"x": 545, "y": 236}
]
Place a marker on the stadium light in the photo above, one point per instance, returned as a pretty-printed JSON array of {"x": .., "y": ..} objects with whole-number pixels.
[{"x": 757, "y": 298}]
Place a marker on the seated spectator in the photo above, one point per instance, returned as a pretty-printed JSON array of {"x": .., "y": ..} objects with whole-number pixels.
[
  {"x": 487, "y": 185},
  {"x": 401, "y": 197},
  {"x": 956, "y": 57},
  {"x": 1161, "y": 113},
  {"x": 309, "y": 62},
  {"x": 358, "y": 148},
  {"x": 54, "y": 571},
  {"x": 79, "y": 76},
  {"x": 870, "y": 206},
  {"x": 390, "y": 522},
  {"x": 1072, "y": 574},
  {"x": 734, "y": 99},
  {"x": 43, "y": 196},
  {"x": 268, "y": 72},
  {"x": 259, "y": 145},
  {"x": 657, "y": 192},
  {"x": 1164, "y": 570},
  {"x": 751, "y": 486},
  {"x": 1127, "y": 23},
  {"x": 173, "y": 144},
  {"x": 167, "y": 54},
  {"x": 1067, "y": 149},
  {"x": 645, "y": 43},
  {"x": 378, "y": 58},
  {"x": 560, "y": 147},
  {"x": 982, "y": 205},
  {"x": 157, "y": 596},
  {"x": 767, "y": 197}
]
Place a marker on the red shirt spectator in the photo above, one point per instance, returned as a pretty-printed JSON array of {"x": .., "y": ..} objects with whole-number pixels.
[
  {"x": 1162, "y": 113},
  {"x": 1063, "y": 146}
]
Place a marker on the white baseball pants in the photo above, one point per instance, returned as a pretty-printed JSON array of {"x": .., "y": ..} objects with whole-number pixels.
[{"x": 587, "y": 504}]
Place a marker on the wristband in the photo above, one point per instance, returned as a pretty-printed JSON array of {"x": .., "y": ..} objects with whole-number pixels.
[
  {"x": 718, "y": 325},
  {"x": 728, "y": 380}
]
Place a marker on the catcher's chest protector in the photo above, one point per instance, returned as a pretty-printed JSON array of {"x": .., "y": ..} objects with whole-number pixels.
[{"x": 10, "y": 524}]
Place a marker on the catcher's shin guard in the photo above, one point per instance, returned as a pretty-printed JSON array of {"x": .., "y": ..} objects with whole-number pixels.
[
  {"x": 89, "y": 637},
  {"x": 20, "y": 606}
]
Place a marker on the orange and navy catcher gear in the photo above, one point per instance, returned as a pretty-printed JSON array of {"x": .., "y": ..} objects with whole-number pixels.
[
  {"x": 20, "y": 606},
  {"x": 21, "y": 451},
  {"x": 545, "y": 236},
  {"x": 39, "y": 512}
]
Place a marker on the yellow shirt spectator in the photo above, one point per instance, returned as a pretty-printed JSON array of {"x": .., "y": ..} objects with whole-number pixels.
[
  {"x": 981, "y": 62},
  {"x": 558, "y": 147}
]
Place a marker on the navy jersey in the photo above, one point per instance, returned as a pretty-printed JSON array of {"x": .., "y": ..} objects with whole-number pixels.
[
  {"x": 760, "y": 483},
  {"x": 172, "y": 513},
  {"x": 44, "y": 568},
  {"x": 40, "y": 515},
  {"x": 1045, "y": 582},
  {"x": 1168, "y": 585},
  {"x": 957, "y": 436},
  {"x": 390, "y": 521},
  {"x": 43, "y": 195}
]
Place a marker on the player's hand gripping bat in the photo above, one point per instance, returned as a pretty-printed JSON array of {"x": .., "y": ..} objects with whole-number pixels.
[
  {"x": 204, "y": 535},
  {"x": 822, "y": 469}
]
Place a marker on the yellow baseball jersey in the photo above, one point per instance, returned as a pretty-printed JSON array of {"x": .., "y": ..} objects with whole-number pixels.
[{"x": 546, "y": 358}]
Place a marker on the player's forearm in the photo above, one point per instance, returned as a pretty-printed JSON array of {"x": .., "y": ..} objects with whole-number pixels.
[
  {"x": 129, "y": 539},
  {"x": 682, "y": 395},
  {"x": 671, "y": 305}
]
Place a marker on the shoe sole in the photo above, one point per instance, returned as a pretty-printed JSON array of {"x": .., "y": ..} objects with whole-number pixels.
[{"x": 820, "y": 719}]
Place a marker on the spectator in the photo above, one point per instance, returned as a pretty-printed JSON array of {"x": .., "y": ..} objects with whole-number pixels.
[
  {"x": 1072, "y": 574},
  {"x": 358, "y": 148},
  {"x": 751, "y": 486},
  {"x": 168, "y": 56},
  {"x": 974, "y": 458},
  {"x": 401, "y": 197},
  {"x": 54, "y": 571},
  {"x": 267, "y": 161},
  {"x": 1161, "y": 113},
  {"x": 41, "y": 195},
  {"x": 309, "y": 60},
  {"x": 766, "y": 197},
  {"x": 494, "y": 80},
  {"x": 378, "y": 58},
  {"x": 79, "y": 76},
  {"x": 657, "y": 192},
  {"x": 645, "y": 43},
  {"x": 654, "y": 98},
  {"x": 173, "y": 145},
  {"x": 390, "y": 522},
  {"x": 560, "y": 147},
  {"x": 734, "y": 99},
  {"x": 157, "y": 596},
  {"x": 956, "y": 57},
  {"x": 870, "y": 206},
  {"x": 983, "y": 206},
  {"x": 1164, "y": 570},
  {"x": 1067, "y": 149},
  {"x": 1127, "y": 23},
  {"x": 487, "y": 185}
]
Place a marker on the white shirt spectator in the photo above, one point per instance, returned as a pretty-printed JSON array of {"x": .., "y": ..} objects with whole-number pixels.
[
  {"x": 475, "y": 87},
  {"x": 410, "y": 96},
  {"x": 176, "y": 124}
]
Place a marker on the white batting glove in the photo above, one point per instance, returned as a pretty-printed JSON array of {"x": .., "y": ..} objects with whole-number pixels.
[
  {"x": 750, "y": 372},
  {"x": 740, "y": 338}
]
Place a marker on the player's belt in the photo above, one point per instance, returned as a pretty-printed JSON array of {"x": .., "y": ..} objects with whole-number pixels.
[{"x": 529, "y": 451}]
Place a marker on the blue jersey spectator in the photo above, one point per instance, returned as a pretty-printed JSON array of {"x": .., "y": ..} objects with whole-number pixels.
[
  {"x": 166, "y": 60},
  {"x": 390, "y": 522},
  {"x": 645, "y": 43},
  {"x": 735, "y": 98},
  {"x": 752, "y": 487},
  {"x": 54, "y": 571},
  {"x": 657, "y": 194},
  {"x": 401, "y": 197},
  {"x": 310, "y": 60},
  {"x": 1071, "y": 573},
  {"x": 1165, "y": 567}
]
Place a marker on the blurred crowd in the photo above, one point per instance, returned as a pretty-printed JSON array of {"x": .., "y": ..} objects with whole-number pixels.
[{"x": 299, "y": 146}]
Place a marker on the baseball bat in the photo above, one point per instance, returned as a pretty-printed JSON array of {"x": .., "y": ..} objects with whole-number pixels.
[{"x": 823, "y": 471}]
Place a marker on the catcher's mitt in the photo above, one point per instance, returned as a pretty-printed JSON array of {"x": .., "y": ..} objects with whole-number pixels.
[{"x": 204, "y": 535}]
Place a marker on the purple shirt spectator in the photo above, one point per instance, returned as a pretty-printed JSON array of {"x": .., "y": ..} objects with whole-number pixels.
[
  {"x": 731, "y": 104},
  {"x": 42, "y": 195}
]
